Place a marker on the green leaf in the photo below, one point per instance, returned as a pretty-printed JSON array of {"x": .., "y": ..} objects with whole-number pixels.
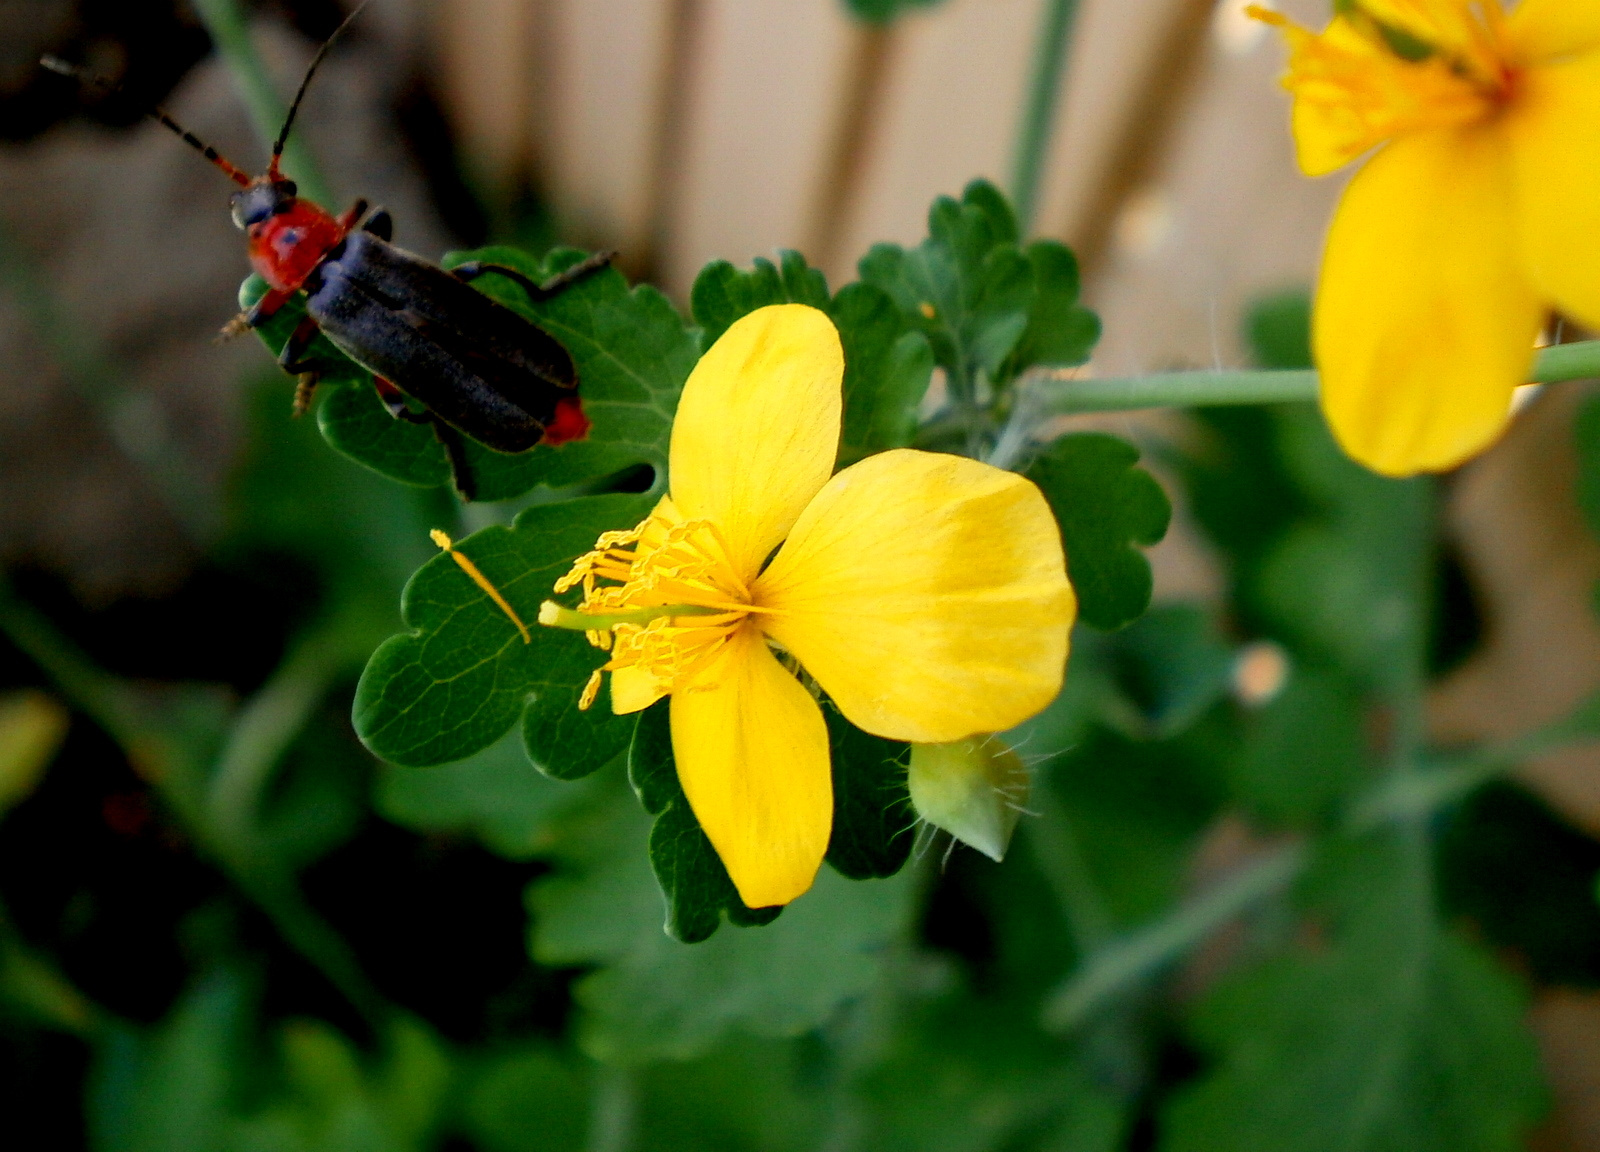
[
  {"x": 1060, "y": 330},
  {"x": 654, "y": 998},
  {"x": 887, "y": 369},
  {"x": 692, "y": 877},
  {"x": 630, "y": 347},
  {"x": 965, "y": 1075},
  {"x": 967, "y": 287},
  {"x": 1172, "y": 666},
  {"x": 1107, "y": 509},
  {"x": 1388, "y": 1032},
  {"x": 463, "y": 675},
  {"x": 888, "y": 365},
  {"x": 873, "y": 824},
  {"x": 1306, "y": 751},
  {"x": 497, "y": 796},
  {"x": 722, "y": 293},
  {"x": 534, "y": 1097}
]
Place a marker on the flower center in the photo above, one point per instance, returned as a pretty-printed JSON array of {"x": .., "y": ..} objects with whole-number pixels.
[
  {"x": 662, "y": 598},
  {"x": 1393, "y": 66}
]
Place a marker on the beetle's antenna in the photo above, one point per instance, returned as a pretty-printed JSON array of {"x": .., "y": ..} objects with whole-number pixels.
[
  {"x": 158, "y": 114},
  {"x": 316, "y": 61}
]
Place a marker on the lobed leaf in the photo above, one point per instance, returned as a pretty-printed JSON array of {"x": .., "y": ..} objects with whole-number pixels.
[
  {"x": 888, "y": 364},
  {"x": 464, "y": 674},
  {"x": 1106, "y": 508},
  {"x": 651, "y": 998},
  {"x": 967, "y": 287}
]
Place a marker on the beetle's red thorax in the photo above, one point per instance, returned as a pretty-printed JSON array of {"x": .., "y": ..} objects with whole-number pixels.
[{"x": 286, "y": 247}]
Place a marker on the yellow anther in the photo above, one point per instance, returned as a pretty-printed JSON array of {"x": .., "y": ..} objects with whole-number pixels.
[
  {"x": 590, "y": 691},
  {"x": 482, "y": 581}
]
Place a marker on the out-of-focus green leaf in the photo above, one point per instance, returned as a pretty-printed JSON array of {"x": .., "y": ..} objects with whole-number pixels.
[
  {"x": 1278, "y": 330},
  {"x": 336, "y": 1101},
  {"x": 963, "y": 1075},
  {"x": 1107, "y": 509},
  {"x": 1135, "y": 809},
  {"x": 1172, "y": 665},
  {"x": 1305, "y": 751},
  {"x": 883, "y": 11},
  {"x": 967, "y": 286},
  {"x": 170, "y": 1090},
  {"x": 1390, "y": 1032},
  {"x": 887, "y": 363},
  {"x": 654, "y": 998},
  {"x": 530, "y": 1099},
  {"x": 630, "y": 347},
  {"x": 193, "y": 1084},
  {"x": 32, "y": 727},
  {"x": 463, "y": 675},
  {"x": 497, "y": 795}
]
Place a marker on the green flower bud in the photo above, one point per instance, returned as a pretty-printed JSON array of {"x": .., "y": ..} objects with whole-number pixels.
[{"x": 974, "y": 789}]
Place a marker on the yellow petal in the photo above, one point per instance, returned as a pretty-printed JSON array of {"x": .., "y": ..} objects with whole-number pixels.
[
  {"x": 1554, "y": 130},
  {"x": 1424, "y": 321},
  {"x": 928, "y": 596},
  {"x": 752, "y": 754},
  {"x": 757, "y": 429},
  {"x": 1543, "y": 30}
]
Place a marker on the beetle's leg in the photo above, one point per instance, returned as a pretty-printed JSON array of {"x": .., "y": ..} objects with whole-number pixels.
[
  {"x": 356, "y": 211},
  {"x": 292, "y": 361},
  {"x": 455, "y": 451},
  {"x": 395, "y": 401},
  {"x": 253, "y": 316},
  {"x": 554, "y": 286},
  {"x": 380, "y": 224}
]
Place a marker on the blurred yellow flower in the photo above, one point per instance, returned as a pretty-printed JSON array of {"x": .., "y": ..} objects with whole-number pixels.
[
  {"x": 1480, "y": 211},
  {"x": 926, "y": 594}
]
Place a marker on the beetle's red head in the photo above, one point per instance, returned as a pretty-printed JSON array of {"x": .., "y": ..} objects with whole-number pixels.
[{"x": 264, "y": 197}]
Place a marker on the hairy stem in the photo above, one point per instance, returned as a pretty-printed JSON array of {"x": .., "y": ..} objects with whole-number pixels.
[{"x": 1059, "y": 396}]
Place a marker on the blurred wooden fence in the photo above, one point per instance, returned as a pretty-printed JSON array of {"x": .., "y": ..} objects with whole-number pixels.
[{"x": 682, "y": 131}]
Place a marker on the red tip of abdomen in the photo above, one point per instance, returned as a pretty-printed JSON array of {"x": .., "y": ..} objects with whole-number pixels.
[{"x": 569, "y": 423}]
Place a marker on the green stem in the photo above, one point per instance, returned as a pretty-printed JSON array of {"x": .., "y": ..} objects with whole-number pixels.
[
  {"x": 230, "y": 32},
  {"x": 263, "y": 729},
  {"x": 1039, "y": 114},
  {"x": 1058, "y": 396},
  {"x": 1137, "y": 958}
]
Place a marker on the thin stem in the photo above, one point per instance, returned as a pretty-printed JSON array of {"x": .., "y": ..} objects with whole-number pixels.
[
  {"x": 264, "y": 728},
  {"x": 1140, "y": 956},
  {"x": 1059, "y": 396},
  {"x": 231, "y": 33},
  {"x": 1039, "y": 114},
  {"x": 269, "y": 723}
]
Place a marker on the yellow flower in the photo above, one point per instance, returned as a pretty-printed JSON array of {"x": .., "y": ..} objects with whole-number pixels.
[
  {"x": 925, "y": 594},
  {"x": 1480, "y": 210}
]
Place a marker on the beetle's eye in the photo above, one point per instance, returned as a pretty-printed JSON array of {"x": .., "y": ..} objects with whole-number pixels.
[{"x": 237, "y": 211}]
